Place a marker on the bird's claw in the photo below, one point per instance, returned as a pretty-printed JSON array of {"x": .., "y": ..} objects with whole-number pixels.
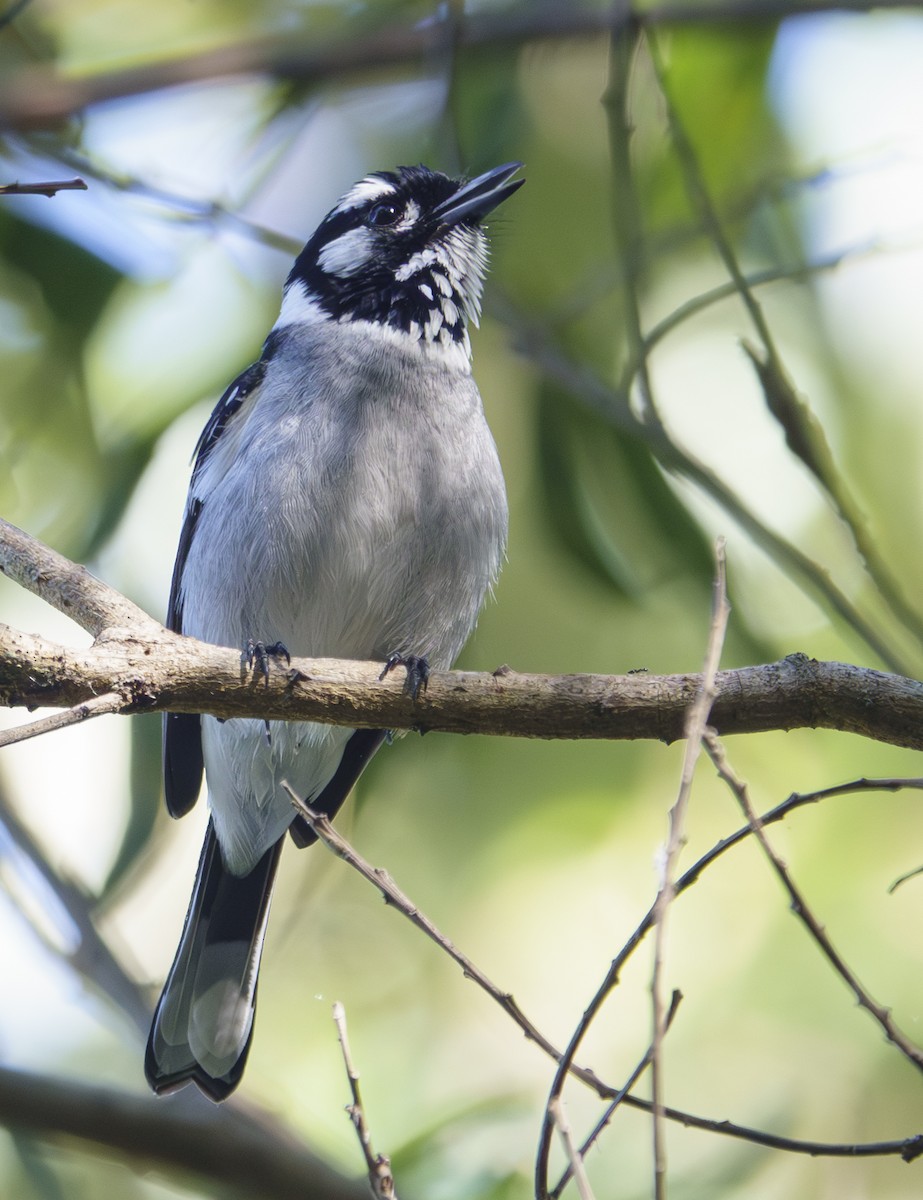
[
  {"x": 417, "y": 669},
  {"x": 257, "y": 655}
]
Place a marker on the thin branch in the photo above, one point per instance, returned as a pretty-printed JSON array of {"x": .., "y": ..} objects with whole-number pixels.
[
  {"x": 805, "y": 914},
  {"x": 381, "y": 1181},
  {"x": 49, "y": 189},
  {"x": 625, "y": 43},
  {"x": 905, "y": 878},
  {"x": 111, "y": 702},
  {"x": 392, "y": 894},
  {"x": 621, "y": 1097},
  {"x": 533, "y": 339},
  {"x": 907, "y": 1148},
  {"x": 912, "y": 1146},
  {"x": 9, "y": 15},
  {"x": 798, "y": 273},
  {"x": 696, "y": 718},
  {"x": 576, "y": 1170},
  {"x": 695, "y": 732},
  {"x": 804, "y": 435},
  {"x": 183, "y": 208}
]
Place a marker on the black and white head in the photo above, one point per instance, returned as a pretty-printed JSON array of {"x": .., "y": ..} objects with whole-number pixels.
[{"x": 403, "y": 250}]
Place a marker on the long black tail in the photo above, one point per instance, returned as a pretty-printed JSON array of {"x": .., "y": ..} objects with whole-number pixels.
[{"x": 204, "y": 1021}]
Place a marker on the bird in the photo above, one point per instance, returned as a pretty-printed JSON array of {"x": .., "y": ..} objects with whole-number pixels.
[{"x": 346, "y": 501}]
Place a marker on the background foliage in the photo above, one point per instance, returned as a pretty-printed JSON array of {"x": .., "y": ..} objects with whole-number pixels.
[{"x": 633, "y": 428}]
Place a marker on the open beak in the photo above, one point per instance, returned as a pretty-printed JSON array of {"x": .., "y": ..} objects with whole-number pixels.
[{"x": 479, "y": 197}]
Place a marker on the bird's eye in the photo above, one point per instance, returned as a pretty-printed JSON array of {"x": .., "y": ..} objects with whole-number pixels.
[{"x": 383, "y": 214}]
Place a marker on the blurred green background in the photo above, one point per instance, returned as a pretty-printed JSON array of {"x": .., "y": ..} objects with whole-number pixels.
[{"x": 125, "y": 310}]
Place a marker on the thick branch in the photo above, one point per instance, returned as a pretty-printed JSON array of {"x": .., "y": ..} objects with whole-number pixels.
[
  {"x": 187, "y": 1134},
  {"x": 35, "y": 97},
  {"x": 151, "y": 669},
  {"x": 183, "y": 675},
  {"x": 68, "y": 587}
]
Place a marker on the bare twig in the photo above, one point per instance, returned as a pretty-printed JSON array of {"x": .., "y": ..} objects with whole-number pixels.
[
  {"x": 912, "y": 1146},
  {"x": 576, "y": 1169},
  {"x": 381, "y": 1180},
  {"x": 902, "y": 879},
  {"x": 803, "y": 433},
  {"x": 10, "y": 14},
  {"x": 111, "y": 702},
  {"x": 625, "y": 42},
  {"x": 757, "y": 279},
  {"x": 696, "y": 723},
  {"x": 805, "y": 914},
  {"x": 380, "y": 879},
  {"x": 907, "y": 1148},
  {"x": 49, "y": 189},
  {"x": 534, "y": 340},
  {"x": 614, "y": 1103}
]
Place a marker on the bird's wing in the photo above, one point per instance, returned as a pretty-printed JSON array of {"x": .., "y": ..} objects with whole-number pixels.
[{"x": 182, "y": 734}]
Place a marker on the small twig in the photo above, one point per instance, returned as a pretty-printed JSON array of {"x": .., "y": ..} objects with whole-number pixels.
[
  {"x": 803, "y": 911},
  {"x": 625, "y": 41},
  {"x": 797, "y": 273},
  {"x": 695, "y": 731},
  {"x": 912, "y": 1146},
  {"x": 112, "y": 702},
  {"x": 804, "y": 434},
  {"x": 534, "y": 340},
  {"x": 381, "y": 1180},
  {"x": 393, "y": 895},
  {"x": 576, "y": 1169},
  {"x": 902, "y": 879},
  {"x": 49, "y": 189},
  {"x": 907, "y": 1148},
  {"x": 616, "y": 1100}
]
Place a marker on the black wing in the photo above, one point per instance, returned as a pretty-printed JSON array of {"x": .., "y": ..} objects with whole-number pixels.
[{"x": 182, "y": 732}]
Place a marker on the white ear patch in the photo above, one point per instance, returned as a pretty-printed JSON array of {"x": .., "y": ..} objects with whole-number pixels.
[
  {"x": 346, "y": 254},
  {"x": 364, "y": 192},
  {"x": 299, "y": 307}
]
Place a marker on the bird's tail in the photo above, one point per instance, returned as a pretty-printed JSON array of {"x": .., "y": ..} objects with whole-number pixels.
[{"x": 203, "y": 1023}]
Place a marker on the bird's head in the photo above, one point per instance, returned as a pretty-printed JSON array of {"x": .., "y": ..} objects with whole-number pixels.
[{"x": 403, "y": 250}]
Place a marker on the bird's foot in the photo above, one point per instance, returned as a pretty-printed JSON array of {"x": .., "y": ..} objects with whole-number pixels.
[
  {"x": 257, "y": 656},
  {"x": 417, "y": 669}
]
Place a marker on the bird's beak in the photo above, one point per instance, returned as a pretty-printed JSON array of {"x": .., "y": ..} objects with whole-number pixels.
[{"x": 479, "y": 197}]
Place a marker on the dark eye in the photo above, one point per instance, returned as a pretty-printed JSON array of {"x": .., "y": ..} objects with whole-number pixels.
[{"x": 383, "y": 214}]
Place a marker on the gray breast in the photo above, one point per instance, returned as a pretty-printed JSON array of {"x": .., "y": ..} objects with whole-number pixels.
[{"x": 359, "y": 509}]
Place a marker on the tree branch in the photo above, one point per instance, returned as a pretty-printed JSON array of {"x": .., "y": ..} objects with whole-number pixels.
[
  {"x": 36, "y": 96},
  {"x": 227, "y": 1146},
  {"x": 151, "y": 669}
]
